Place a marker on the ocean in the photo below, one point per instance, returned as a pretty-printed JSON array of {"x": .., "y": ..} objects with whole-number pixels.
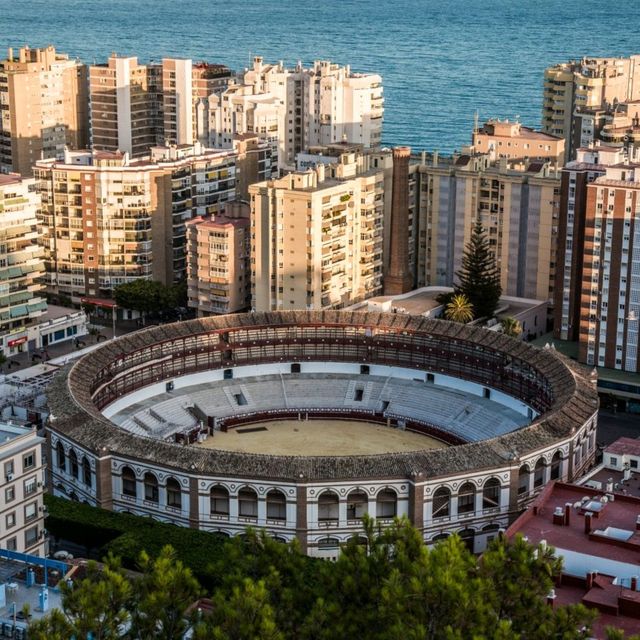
[{"x": 441, "y": 61}]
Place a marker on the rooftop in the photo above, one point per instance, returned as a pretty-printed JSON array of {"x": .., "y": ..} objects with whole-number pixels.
[
  {"x": 625, "y": 446},
  {"x": 9, "y": 431}
]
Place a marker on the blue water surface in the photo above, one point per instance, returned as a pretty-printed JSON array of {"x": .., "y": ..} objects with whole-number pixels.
[{"x": 440, "y": 60}]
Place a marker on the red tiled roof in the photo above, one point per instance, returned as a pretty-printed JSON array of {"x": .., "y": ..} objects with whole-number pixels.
[{"x": 625, "y": 446}]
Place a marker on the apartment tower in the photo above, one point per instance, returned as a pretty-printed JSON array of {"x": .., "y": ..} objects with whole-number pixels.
[
  {"x": 586, "y": 83},
  {"x": 43, "y": 107},
  {"x": 316, "y": 235},
  {"x": 21, "y": 262}
]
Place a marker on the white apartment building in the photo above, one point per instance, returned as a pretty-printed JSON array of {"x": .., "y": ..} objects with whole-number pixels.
[
  {"x": 21, "y": 498},
  {"x": 302, "y": 107}
]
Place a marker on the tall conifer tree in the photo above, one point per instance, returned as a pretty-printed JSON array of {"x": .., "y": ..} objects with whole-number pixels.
[{"x": 479, "y": 277}]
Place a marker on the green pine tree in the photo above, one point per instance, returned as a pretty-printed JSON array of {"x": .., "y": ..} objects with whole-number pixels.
[{"x": 479, "y": 277}]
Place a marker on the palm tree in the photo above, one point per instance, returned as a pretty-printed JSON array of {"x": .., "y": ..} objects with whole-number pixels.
[
  {"x": 511, "y": 327},
  {"x": 459, "y": 309}
]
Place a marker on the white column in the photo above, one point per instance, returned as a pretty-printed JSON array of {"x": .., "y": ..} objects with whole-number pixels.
[
  {"x": 478, "y": 502},
  {"x": 454, "y": 507},
  {"x": 262, "y": 511},
  {"x": 233, "y": 508},
  {"x": 342, "y": 513}
]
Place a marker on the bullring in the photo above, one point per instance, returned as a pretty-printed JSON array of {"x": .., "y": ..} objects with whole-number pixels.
[{"x": 131, "y": 423}]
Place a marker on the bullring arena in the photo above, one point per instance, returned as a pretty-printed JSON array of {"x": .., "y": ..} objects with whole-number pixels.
[{"x": 301, "y": 422}]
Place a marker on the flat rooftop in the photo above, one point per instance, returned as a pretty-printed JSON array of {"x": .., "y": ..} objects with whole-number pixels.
[
  {"x": 321, "y": 437},
  {"x": 9, "y": 431},
  {"x": 614, "y": 516}
]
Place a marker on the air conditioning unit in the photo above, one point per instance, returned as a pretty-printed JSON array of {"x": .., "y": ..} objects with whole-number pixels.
[{"x": 10, "y": 477}]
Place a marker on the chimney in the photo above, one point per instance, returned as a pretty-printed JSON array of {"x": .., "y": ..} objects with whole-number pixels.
[
  {"x": 609, "y": 485},
  {"x": 590, "y": 578},
  {"x": 627, "y": 472},
  {"x": 558, "y": 516},
  {"x": 10, "y": 54},
  {"x": 634, "y": 583},
  {"x": 398, "y": 278},
  {"x": 587, "y": 522},
  {"x": 567, "y": 513}
]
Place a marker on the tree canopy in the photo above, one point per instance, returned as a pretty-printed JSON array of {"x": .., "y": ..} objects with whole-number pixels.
[
  {"x": 459, "y": 309},
  {"x": 386, "y": 585},
  {"x": 479, "y": 276},
  {"x": 146, "y": 296}
]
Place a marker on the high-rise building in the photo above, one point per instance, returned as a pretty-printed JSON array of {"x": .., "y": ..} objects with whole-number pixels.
[
  {"x": 316, "y": 235},
  {"x": 218, "y": 267},
  {"x": 590, "y": 163},
  {"x": 511, "y": 140},
  {"x": 613, "y": 125},
  {"x": 604, "y": 296},
  {"x": 22, "y": 523},
  {"x": 21, "y": 262},
  {"x": 43, "y": 107},
  {"x": 135, "y": 106},
  {"x": 302, "y": 107},
  {"x": 106, "y": 219},
  {"x": 517, "y": 203},
  {"x": 586, "y": 83}
]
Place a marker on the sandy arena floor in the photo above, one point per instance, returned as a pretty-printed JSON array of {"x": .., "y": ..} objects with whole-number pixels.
[{"x": 319, "y": 438}]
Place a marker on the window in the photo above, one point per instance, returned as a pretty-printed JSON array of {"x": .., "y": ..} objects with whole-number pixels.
[
  {"x": 30, "y": 486},
  {"x": 10, "y": 520},
  {"x": 61, "y": 458},
  {"x": 614, "y": 461},
  {"x": 538, "y": 473},
  {"x": 247, "y": 503},
  {"x": 386, "y": 504},
  {"x": 29, "y": 461},
  {"x": 633, "y": 464},
  {"x": 86, "y": 471},
  {"x": 174, "y": 494},
  {"x": 219, "y": 501},
  {"x": 466, "y": 498},
  {"x": 357, "y": 505},
  {"x": 441, "y": 503},
  {"x": 556, "y": 465},
  {"x": 276, "y": 506},
  {"x": 491, "y": 494},
  {"x": 12, "y": 544},
  {"x": 151, "y": 488},
  {"x": 9, "y": 494},
  {"x": 523, "y": 480},
  {"x": 73, "y": 459},
  {"x": 31, "y": 536},
  {"x": 8, "y": 469},
  {"x": 129, "y": 484},
  {"x": 328, "y": 507},
  {"x": 30, "y": 511}
]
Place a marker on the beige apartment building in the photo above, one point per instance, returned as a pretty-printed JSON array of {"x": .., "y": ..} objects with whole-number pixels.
[
  {"x": 301, "y": 107},
  {"x": 511, "y": 140},
  {"x": 218, "y": 266},
  {"x": 613, "y": 125},
  {"x": 516, "y": 201},
  {"x": 135, "y": 106},
  {"x": 21, "y": 500},
  {"x": 586, "y": 83},
  {"x": 106, "y": 219},
  {"x": 317, "y": 235},
  {"x": 21, "y": 263},
  {"x": 43, "y": 107}
]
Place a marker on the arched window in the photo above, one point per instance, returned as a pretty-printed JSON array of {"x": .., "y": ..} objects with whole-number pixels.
[
  {"x": 62, "y": 458},
  {"x": 468, "y": 536},
  {"x": 86, "y": 471},
  {"x": 219, "y": 501},
  {"x": 151, "y": 493},
  {"x": 174, "y": 494},
  {"x": 523, "y": 480},
  {"x": 73, "y": 461},
  {"x": 357, "y": 505},
  {"x": 491, "y": 494},
  {"x": 248, "y": 503},
  {"x": 556, "y": 466},
  {"x": 276, "y": 505},
  {"x": 386, "y": 504},
  {"x": 328, "y": 544},
  {"x": 440, "y": 537},
  {"x": 129, "y": 485},
  {"x": 442, "y": 503},
  {"x": 466, "y": 498},
  {"x": 328, "y": 507},
  {"x": 538, "y": 473}
]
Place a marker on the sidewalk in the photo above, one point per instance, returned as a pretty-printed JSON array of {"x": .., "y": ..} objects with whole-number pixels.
[{"x": 56, "y": 351}]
